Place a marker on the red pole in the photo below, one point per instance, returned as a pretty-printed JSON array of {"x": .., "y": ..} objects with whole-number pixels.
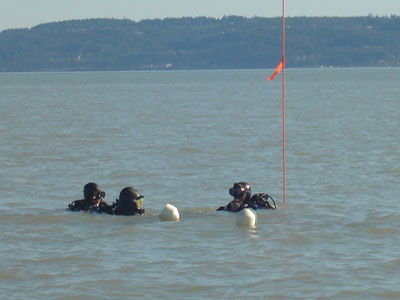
[{"x": 283, "y": 106}]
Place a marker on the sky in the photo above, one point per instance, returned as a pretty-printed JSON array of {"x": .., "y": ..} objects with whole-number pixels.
[{"x": 28, "y": 13}]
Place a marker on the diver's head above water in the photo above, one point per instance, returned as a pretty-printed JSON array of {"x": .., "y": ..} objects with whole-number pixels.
[
  {"x": 130, "y": 196},
  {"x": 92, "y": 193},
  {"x": 92, "y": 199},
  {"x": 241, "y": 191}
]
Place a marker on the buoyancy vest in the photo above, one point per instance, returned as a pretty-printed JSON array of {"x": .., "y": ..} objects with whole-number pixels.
[
  {"x": 127, "y": 210},
  {"x": 257, "y": 201},
  {"x": 235, "y": 206},
  {"x": 83, "y": 205}
]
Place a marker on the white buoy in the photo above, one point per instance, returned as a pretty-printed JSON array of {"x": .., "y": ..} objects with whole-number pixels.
[
  {"x": 246, "y": 218},
  {"x": 169, "y": 213}
]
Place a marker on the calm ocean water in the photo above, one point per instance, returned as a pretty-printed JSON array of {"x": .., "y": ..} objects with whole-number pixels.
[{"x": 184, "y": 138}]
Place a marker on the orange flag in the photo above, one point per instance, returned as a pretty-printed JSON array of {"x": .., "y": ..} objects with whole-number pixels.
[{"x": 277, "y": 70}]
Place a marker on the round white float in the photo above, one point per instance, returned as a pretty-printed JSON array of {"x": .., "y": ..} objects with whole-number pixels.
[
  {"x": 246, "y": 218},
  {"x": 169, "y": 213}
]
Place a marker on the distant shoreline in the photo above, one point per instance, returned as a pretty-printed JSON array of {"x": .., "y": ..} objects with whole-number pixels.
[
  {"x": 189, "y": 17},
  {"x": 201, "y": 43}
]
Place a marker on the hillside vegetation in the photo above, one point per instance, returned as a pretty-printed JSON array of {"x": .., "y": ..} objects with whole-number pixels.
[{"x": 201, "y": 43}]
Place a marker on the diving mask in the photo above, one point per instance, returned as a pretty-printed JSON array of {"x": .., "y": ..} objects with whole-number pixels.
[
  {"x": 239, "y": 188},
  {"x": 139, "y": 201},
  {"x": 236, "y": 192},
  {"x": 99, "y": 195}
]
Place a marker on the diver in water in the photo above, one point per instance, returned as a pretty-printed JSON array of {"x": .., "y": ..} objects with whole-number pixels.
[
  {"x": 93, "y": 200},
  {"x": 241, "y": 193},
  {"x": 129, "y": 203},
  {"x": 242, "y": 198}
]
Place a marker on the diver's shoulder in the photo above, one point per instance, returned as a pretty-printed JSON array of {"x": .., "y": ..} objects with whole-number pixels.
[
  {"x": 78, "y": 205},
  {"x": 120, "y": 211},
  {"x": 232, "y": 206},
  {"x": 104, "y": 207}
]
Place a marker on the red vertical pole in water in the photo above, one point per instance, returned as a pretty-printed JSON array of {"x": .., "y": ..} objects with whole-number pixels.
[{"x": 283, "y": 106}]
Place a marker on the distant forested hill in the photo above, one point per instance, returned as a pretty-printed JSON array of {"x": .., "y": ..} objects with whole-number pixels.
[{"x": 201, "y": 43}]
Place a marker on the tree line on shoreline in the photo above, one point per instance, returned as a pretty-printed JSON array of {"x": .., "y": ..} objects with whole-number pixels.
[{"x": 231, "y": 42}]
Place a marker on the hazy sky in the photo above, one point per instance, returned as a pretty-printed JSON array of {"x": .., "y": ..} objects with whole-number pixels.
[{"x": 27, "y": 13}]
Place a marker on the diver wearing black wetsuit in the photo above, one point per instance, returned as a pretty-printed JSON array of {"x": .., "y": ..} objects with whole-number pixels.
[
  {"x": 241, "y": 192},
  {"x": 129, "y": 203},
  {"x": 93, "y": 200}
]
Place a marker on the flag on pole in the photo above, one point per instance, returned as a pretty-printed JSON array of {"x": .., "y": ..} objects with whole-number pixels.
[{"x": 277, "y": 70}]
